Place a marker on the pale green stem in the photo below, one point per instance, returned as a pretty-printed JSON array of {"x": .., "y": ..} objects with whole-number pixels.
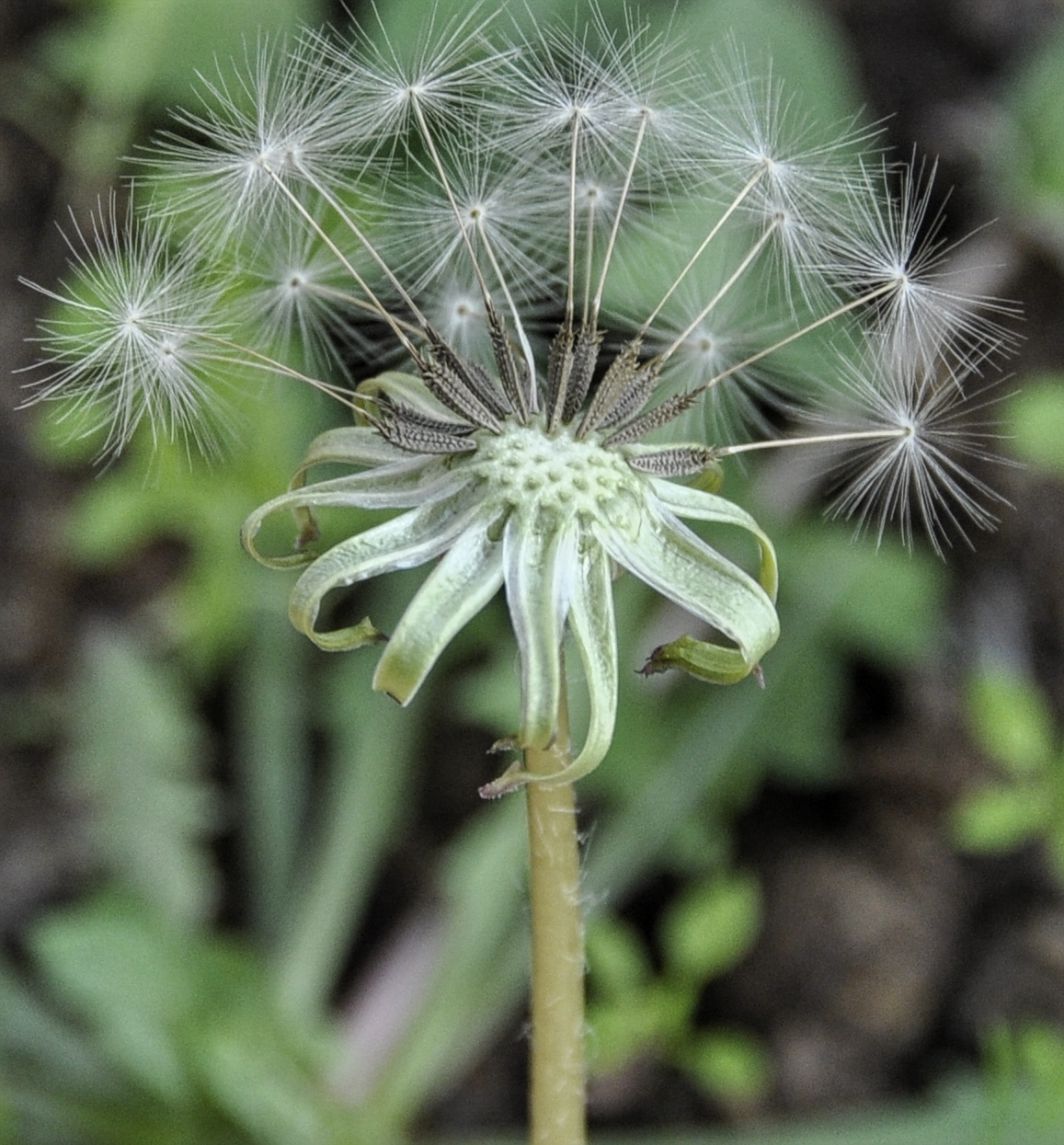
[{"x": 558, "y": 1071}]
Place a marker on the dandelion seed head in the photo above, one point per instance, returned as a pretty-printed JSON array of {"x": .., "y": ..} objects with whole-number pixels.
[
  {"x": 476, "y": 186},
  {"x": 555, "y": 277}
]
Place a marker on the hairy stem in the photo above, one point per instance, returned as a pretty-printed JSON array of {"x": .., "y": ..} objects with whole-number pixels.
[{"x": 557, "y": 1084}]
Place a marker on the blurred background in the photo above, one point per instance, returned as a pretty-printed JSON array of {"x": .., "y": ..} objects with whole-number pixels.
[{"x": 245, "y": 900}]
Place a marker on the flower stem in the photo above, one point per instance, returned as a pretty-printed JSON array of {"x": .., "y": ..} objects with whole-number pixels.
[{"x": 558, "y": 1072}]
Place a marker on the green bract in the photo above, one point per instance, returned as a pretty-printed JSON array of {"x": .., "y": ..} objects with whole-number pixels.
[{"x": 546, "y": 513}]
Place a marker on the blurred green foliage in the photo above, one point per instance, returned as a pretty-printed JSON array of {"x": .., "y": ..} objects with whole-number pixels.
[
  {"x": 1027, "y": 1061},
  {"x": 128, "y": 54},
  {"x": 1028, "y": 157},
  {"x": 143, "y": 776},
  {"x": 213, "y": 607},
  {"x": 1034, "y": 424},
  {"x": 704, "y": 932},
  {"x": 166, "y": 1035},
  {"x": 801, "y": 42},
  {"x": 1011, "y": 722},
  {"x": 120, "y": 62}
]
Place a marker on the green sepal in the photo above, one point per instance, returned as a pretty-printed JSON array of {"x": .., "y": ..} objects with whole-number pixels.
[
  {"x": 460, "y": 585},
  {"x": 698, "y": 504},
  {"x": 347, "y": 445},
  {"x": 357, "y": 445},
  {"x": 399, "y": 485},
  {"x": 711, "y": 662},
  {"x": 407, "y": 541},
  {"x": 346, "y": 639},
  {"x": 537, "y": 557}
]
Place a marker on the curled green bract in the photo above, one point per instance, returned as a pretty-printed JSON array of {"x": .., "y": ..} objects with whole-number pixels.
[{"x": 547, "y": 513}]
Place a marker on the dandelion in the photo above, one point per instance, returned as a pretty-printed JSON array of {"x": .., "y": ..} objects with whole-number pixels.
[
  {"x": 556, "y": 281},
  {"x": 572, "y": 254}
]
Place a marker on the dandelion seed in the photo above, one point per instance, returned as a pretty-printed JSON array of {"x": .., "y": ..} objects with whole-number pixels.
[
  {"x": 379, "y": 83},
  {"x": 893, "y": 251},
  {"x": 124, "y": 346},
  {"x": 293, "y": 289},
  {"x": 919, "y": 479},
  {"x": 266, "y": 124}
]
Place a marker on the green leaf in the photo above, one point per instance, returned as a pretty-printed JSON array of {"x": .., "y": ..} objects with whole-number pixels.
[
  {"x": 1030, "y": 154},
  {"x": 204, "y": 1056},
  {"x": 126, "y": 53},
  {"x": 271, "y": 752},
  {"x": 999, "y": 818},
  {"x": 481, "y": 968},
  {"x": 137, "y": 755},
  {"x": 648, "y": 1021},
  {"x": 131, "y": 976},
  {"x": 1011, "y": 721},
  {"x": 249, "y": 1070},
  {"x": 42, "y": 1040},
  {"x": 709, "y": 928},
  {"x": 370, "y": 764},
  {"x": 617, "y": 962},
  {"x": 1034, "y": 423},
  {"x": 731, "y": 1065}
]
